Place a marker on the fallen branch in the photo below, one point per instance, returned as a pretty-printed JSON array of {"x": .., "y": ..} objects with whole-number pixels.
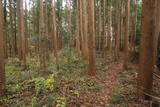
[
  {"x": 152, "y": 96},
  {"x": 155, "y": 74}
]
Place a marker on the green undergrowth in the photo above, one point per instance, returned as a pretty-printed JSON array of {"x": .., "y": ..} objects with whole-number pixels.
[
  {"x": 117, "y": 97},
  {"x": 32, "y": 87}
]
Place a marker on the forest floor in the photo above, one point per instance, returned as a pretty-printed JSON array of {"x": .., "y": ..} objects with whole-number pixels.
[
  {"x": 117, "y": 88},
  {"x": 70, "y": 86}
]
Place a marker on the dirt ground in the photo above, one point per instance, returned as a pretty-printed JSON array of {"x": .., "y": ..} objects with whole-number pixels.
[{"x": 111, "y": 77}]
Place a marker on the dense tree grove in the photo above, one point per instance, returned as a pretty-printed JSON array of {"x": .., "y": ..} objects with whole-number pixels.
[{"x": 79, "y": 53}]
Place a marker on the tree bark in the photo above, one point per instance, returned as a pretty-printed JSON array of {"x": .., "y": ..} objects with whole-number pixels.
[
  {"x": 21, "y": 27},
  {"x": 80, "y": 6},
  {"x": 134, "y": 30},
  {"x": 149, "y": 32},
  {"x": 117, "y": 30},
  {"x": 126, "y": 36},
  {"x": 91, "y": 36},
  {"x": 85, "y": 29},
  {"x": 77, "y": 32},
  {"x": 13, "y": 52},
  {"x": 109, "y": 36},
  {"x": 55, "y": 34},
  {"x": 2, "y": 59}
]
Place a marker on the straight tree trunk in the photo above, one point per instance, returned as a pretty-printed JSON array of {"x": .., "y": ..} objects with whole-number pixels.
[
  {"x": 21, "y": 33},
  {"x": 2, "y": 59},
  {"x": 42, "y": 32},
  {"x": 85, "y": 29},
  {"x": 117, "y": 30},
  {"x": 12, "y": 28},
  {"x": 134, "y": 31},
  {"x": 122, "y": 25},
  {"x": 46, "y": 17},
  {"x": 91, "y": 36},
  {"x": 149, "y": 32},
  {"x": 26, "y": 28},
  {"x": 46, "y": 44},
  {"x": 55, "y": 34},
  {"x": 103, "y": 28},
  {"x": 80, "y": 6},
  {"x": 126, "y": 36},
  {"x": 157, "y": 28},
  {"x": 109, "y": 42},
  {"x": 77, "y": 32},
  {"x": 69, "y": 16},
  {"x": 99, "y": 36},
  {"x": 15, "y": 28},
  {"x": 6, "y": 39}
]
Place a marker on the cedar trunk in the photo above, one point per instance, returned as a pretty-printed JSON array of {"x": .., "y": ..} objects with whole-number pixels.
[
  {"x": 150, "y": 31},
  {"x": 21, "y": 33},
  {"x": 2, "y": 60},
  {"x": 55, "y": 34},
  {"x": 91, "y": 36},
  {"x": 126, "y": 36}
]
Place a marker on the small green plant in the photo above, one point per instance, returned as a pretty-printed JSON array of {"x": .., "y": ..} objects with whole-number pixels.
[
  {"x": 116, "y": 97},
  {"x": 43, "y": 85},
  {"x": 13, "y": 61},
  {"x": 61, "y": 102},
  {"x": 15, "y": 78},
  {"x": 34, "y": 102},
  {"x": 14, "y": 88},
  {"x": 75, "y": 93},
  {"x": 48, "y": 101},
  {"x": 12, "y": 69},
  {"x": 33, "y": 64}
]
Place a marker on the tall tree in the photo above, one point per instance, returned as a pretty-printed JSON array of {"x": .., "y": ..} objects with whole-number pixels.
[
  {"x": 42, "y": 35},
  {"x": 78, "y": 47},
  {"x": 21, "y": 31},
  {"x": 150, "y": 31},
  {"x": 117, "y": 30},
  {"x": 13, "y": 48},
  {"x": 126, "y": 36},
  {"x": 54, "y": 28},
  {"x": 26, "y": 27},
  {"x": 81, "y": 36},
  {"x": 91, "y": 37},
  {"x": 84, "y": 24},
  {"x": 2, "y": 60},
  {"x": 109, "y": 36},
  {"x": 134, "y": 28},
  {"x": 6, "y": 39}
]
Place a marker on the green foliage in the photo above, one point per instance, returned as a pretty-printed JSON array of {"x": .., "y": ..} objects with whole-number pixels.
[
  {"x": 12, "y": 69},
  {"x": 31, "y": 88},
  {"x": 15, "y": 78},
  {"x": 14, "y": 88},
  {"x": 48, "y": 101},
  {"x": 70, "y": 64},
  {"x": 33, "y": 63},
  {"x": 39, "y": 86},
  {"x": 61, "y": 102},
  {"x": 34, "y": 102},
  {"x": 116, "y": 97},
  {"x": 14, "y": 74},
  {"x": 43, "y": 85},
  {"x": 75, "y": 92},
  {"x": 13, "y": 61}
]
